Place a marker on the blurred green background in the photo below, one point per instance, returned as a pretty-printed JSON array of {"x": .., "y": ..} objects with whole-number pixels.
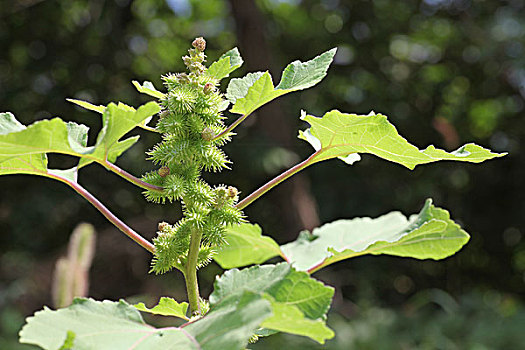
[{"x": 446, "y": 72}]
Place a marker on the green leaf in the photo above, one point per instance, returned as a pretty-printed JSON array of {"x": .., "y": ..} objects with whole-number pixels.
[
  {"x": 118, "y": 120},
  {"x": 288, "y": 318},
  {"x": 89, "y": 324},
  {"x": 246, "y": 246},
  {"x": 429, "y": 235},
  {"x": 166, "y": 307},
  {"x": 8, "y": 124},
  {"x": 338, "y": 134},
  {"x": 148, "y": 89},
  {"x": 226, "y": 64},
  {"x": 310, "y": 296},
  {"x": 100, "y": 109},
  {"x": 298, "y": 75},
  {"x": 230, "y": 324},
  {"x": 89, "y": 106},
  {"x": 257, "y": 279},
  {"x": 287, "y": 289},
  {"x": 57, "y": 136},
  {"x": 256, "y": 89}
]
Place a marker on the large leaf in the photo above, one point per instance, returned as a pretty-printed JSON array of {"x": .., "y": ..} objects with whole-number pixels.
[
  {"x": 305, "y": 298},
  {"x": 166, "y": 307},
  {"x": 429, "y": 235},
  {"x": 251, "y": 92},
  {"x": 226, "y": 64},
  {"x": 339, "y": 134},
  {"x": 246, "y": 246},
  {"x": 24, "y": 149},
  {"x": 89, "y": 324}
]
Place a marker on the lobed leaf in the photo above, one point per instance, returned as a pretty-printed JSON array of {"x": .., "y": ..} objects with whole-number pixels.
[
  {"x": 246, "y": 246},
  {"x": 166, "y": 307},
  {"x": 23, "y": 149},
  {"x": 89, "y": 324},
  {"x": 256, "y": 89},
  {"x": 429, "y": 235},
  {"x": 226, "y": 64},
  {"x": 339, "y": 134},
  {"x": 295, "y": 297}
]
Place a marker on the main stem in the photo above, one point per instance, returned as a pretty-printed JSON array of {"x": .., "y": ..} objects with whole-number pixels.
[
  {"x": 190, "y": 273},
  {"x": 274, "y": 182}
]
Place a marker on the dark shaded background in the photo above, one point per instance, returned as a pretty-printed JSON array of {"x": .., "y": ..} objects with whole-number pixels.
[{"x": 446, "y": 72}]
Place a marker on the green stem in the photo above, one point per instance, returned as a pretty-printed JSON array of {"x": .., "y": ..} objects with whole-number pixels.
[
  {"x": 275, "y": 181},
  {"x": 190, "y": 273}
]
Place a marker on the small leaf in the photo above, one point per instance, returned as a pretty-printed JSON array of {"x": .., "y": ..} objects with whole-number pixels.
[
  {"x": 246, "y": 246},
  {"x": 238, "y": 87},
  {"x": 148, "y": 89},
  {"x": 166, "y": 307},
  {"x": 90, "y": 324},
  {"x": 226, "y": 64},
  {"x": 299, "y": 76},
  {"x": 289, "y": 319},
  {"x": 338, "y": 134},
  {"x": 256, "y": 89},
  {"x": 429, "y": 235},
  {"x": 99, "y": 109}
]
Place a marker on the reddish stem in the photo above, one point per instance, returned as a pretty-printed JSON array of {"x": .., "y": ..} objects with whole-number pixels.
[
  {"x": 134, "y": 180},
  {"x": 275, "y": 181},
  {"x": 107, "y": 213}
]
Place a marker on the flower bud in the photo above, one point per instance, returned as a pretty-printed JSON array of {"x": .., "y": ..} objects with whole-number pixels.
[
  {"x": 232, "y": 192},
  {"x": 208, "y": 88},
  {"x": 199, "y": 43},
  {"x": 208, "y": 134},
  {"x": 163, "y": 114},
  {"x": 164, "y": 171},
  {"x": 163, "y": 226}
]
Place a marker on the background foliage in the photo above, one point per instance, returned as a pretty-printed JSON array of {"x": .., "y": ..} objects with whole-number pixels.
[{"x": 444, "y": 71}]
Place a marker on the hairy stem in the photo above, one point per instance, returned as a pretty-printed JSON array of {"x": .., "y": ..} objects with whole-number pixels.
[
  {"x": 232, "y": 126},
  {"x": 190, "y": 273},
  {"x": 274, "y": 182},
  {"x": 134, "y": 180},
  {"x": 128, "y": 231}
]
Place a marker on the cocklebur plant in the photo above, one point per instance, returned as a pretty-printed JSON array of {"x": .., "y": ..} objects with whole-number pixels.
[{"x": 246, "y": 303}]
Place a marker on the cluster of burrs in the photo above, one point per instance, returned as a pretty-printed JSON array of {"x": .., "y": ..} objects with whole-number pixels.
[{"x": 190, "y": 121}]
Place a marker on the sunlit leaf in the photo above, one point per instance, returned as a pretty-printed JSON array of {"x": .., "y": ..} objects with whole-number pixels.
[
  {"x": 148, "y": 89},
  {"x": 226, "y": 64},
  {"x": 256, "y": 89},
  {"x": 339, "y": 134},
  {"x": 166, "y": 307},
  {"x": 431, "y": 234},
  {"x": 90, "y": 324},
  {"x": 246, "y": 246}
]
